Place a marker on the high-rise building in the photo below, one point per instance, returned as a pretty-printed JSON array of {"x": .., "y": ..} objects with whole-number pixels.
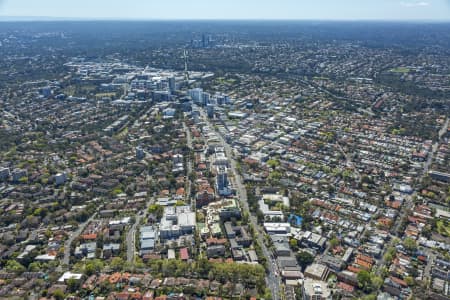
[
  {"x": 205, "y": 41},
  {"x": 172, "y": 84},
  {"x": 210, "y": 110},
  {"x": 139, "y": 153},
  {"x": 222, "y": 181},
  {"x": 206, "y": 98},
  {"x": 196, "y": 95},
  {"x": 47, "y": 91},
  {"x": 222, "y": 99}
]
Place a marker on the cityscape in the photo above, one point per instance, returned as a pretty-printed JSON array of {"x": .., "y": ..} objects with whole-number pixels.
[{"x": 145, "y": 160}]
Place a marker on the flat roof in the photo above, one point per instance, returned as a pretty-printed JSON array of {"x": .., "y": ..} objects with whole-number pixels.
[{"x": 70, "y": 275}]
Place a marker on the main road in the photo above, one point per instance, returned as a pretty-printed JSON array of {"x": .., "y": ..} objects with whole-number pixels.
[
  {"x": 131, "y": 235},
  {"x": 409, "y": 201},
  {"x": 272, "y": 278},
  {"x": 72, "y": 237},
  {"x": 435, "y": 146},
  {"x": 189, "y": 167}
]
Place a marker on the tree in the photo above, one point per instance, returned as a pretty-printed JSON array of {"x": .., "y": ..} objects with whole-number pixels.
[
  {"x": 388, "y": 257},
  {"x": 274, "y": 176},
  {"x": 245, "y": 218},
  {"x": 58, "y": 295},
  {"x": 23, "y": 179},
  {"x": 200, "y": 217},
  {"x": 273, "y": 163},
  {"x": 117, "y": 264},
  {"x": 267, "y": 294},
  {"x": 376, "y": 282},
  {"x": 410, "y": 244},
  {"x": 304, "y": 259},
  {"x": 364, "y": 280},
  {"x": 260, "y": 216},
  {"x": 409, "y": 281},
  {"x": 157, "y": 210},
  {"x": 14, "y": 267},
  {"x": 334, "y": 242},
  {"x": 93, "y": 267},
  {"x": 73, "y": 285},
  {"x": 294, "y": 244},
  {"x": 34, "y": 267}
]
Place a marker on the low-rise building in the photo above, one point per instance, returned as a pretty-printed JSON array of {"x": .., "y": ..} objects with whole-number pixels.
[
  {"x": 215, "y": 251},
  {"x": 317, "y": 271},
  {"x": 315, "y": 290}
]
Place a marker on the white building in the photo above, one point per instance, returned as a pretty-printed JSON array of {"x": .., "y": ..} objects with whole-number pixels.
[
  {"x": 277, "y": 228},
  {"x": 315, "y": 290},
  {"x": 196, "y": 95},
  {"x": 177, "y": 221}
]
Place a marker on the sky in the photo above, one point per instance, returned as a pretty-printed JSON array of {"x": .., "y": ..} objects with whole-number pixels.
[{"x": 403, "y": 10}]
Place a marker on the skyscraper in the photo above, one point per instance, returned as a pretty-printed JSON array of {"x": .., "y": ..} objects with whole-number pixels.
[
  {"x": 222, "y": 181},
  {"x": 204, "y": 41},
  {"x": 172, "y": 84},
  {"x": 196, "y": 95}
]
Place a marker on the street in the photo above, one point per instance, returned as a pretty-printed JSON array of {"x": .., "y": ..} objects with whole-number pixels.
[
  {"x": 74, "y": 235},
  {"x": 189, "y": 167},
  {"x": 131, "y": 235},
  {"x": 409, "y": 200},
  {"x": 272, "y": 278}
]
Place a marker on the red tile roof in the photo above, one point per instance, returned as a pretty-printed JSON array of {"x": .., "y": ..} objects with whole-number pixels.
[
  {"x": 92, "y": 236},
  {"x": 184, "y": 254},
  {"x": 346, "y": 287}
]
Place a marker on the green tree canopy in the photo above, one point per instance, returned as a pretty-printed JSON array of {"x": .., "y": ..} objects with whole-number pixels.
[
  {"x": 304, "y": 259},
  {"x": 410, "y": 244},
  {"x": 14, "y": 267}
]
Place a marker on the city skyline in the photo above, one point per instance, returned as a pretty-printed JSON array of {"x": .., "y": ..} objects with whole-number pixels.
[{"x": 345, "y": 10}]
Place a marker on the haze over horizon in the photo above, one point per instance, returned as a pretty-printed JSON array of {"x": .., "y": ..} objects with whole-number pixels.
[{"x": 344, "y": 10}]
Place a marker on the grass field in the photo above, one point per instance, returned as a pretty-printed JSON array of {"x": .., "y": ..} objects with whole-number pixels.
[
  {"x": 69, "y": 91},
  {"x": 229, "y": 81},
  {"x": 442, "y": 228},
  {"x": 101, "y": 95},
  {"x": 400, "y": 70},
  {"x": 122, "y": 134},
  {"x": 72, "y": 90}
]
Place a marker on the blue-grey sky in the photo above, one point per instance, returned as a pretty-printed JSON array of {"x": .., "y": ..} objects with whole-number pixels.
[{"x": 433, "y": 10}]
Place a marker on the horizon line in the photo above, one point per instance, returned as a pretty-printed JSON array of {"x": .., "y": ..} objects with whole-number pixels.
[{"x": 4, "y": 18}]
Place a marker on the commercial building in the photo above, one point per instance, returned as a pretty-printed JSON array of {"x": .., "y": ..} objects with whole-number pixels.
[
  {"x": 172, "y": 84},
  {"x": 17, "y": 174},
  {"x": 281, "y": 245},
  {"x": 147, "y": 240},
  {"x": 439, "y": 176},
  {"x": 139, "y": 153},
  {"x": 229, "y": 209},
  {"x": 196, "y": 95},
  {"x": 277, "y": 228},
  {"x": 215, "y": 251},
  {"x": 86, "y": 250},
  {"x": 317, "y": 272},
  {"x": 222, "y": 181},
  {"x": 4, "y": 174},
  {"x": 60, "y": 178},
  {"x": 315, "y": 290},
  {"x": 177, "y": 221}
]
